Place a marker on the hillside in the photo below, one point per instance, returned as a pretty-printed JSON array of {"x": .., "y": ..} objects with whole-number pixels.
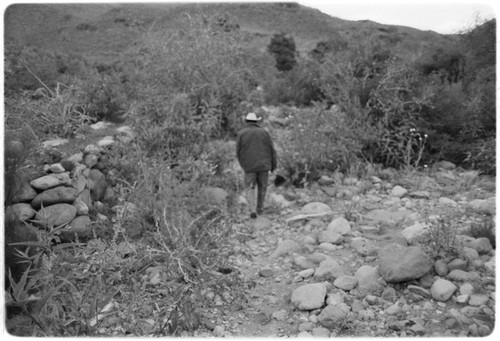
[{"x": 108, "y": 29}]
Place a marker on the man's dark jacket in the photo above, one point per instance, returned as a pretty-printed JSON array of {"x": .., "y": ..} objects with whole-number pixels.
[{"x": 254, "y": 149}]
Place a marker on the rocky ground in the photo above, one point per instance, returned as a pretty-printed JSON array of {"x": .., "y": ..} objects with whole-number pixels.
[
  {"x": 365, "y": 257},
  {"x": 387, "y": 255}
]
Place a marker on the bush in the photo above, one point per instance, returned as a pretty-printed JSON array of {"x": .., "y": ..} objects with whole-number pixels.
[
  {"x": 482, "y": 156},
  {"x": 318, "y": 140},
  {"x": 299, "y": 87},
  {"x": 283, "y": 50}
]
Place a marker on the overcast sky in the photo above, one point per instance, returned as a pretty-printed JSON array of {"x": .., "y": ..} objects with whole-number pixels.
[{"x": 442, "y": 16}]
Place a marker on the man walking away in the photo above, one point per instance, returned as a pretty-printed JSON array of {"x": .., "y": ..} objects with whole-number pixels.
[{"x": 257, "y": 156}]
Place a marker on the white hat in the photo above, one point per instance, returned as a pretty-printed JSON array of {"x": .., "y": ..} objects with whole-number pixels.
[{"x": 252, "y": 117}]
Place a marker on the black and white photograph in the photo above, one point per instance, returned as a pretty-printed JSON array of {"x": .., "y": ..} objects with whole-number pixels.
[{"x": 244, "y": 169}]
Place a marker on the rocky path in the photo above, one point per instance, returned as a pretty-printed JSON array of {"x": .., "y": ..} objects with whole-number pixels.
[
  {"x": 389, "y": 256},
  {"x": 316, "y": 273}
]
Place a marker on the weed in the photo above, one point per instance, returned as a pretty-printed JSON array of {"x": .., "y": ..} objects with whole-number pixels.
[
  {"x": 319, "y": 140},
  {"x": 444, "y": 239}
]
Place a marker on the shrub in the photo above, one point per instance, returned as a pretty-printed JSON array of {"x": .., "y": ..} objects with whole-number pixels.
[
  {"x": 482, "y": 156},
  {"x": 103, "y": 97},
  {"x": 395, "y": 109},
  {"x": 170, "y": 143},
  {"x": 283, "y": 50},
  {"x": 299, "y": 87},
  {"x": 318, "y": 140}
]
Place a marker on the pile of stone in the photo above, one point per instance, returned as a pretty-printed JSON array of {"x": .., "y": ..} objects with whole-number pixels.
[{"x": 64, "y": 194}]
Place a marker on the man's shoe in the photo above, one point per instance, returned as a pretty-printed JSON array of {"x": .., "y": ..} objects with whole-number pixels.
[{"x": 253, "y": 215}]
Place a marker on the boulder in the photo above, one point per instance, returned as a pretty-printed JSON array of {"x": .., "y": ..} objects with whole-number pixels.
[
  {"x": 320, "y": 332},
  {"x": 286, "y": 247},
  {"x": 316, "y": 208},
  {"x": 340, "y": 225},
  {"x": 463, "y": 276},
  {"x": 447, "y": 202},
  {"x": 57, "y": 195},
  {"x": 400, "y": 264},
  {"x": 445, "y": 178},
  {"x": 387, "y": 217},
  {"x": 51, "y": 180},
  {"x": 56, "y": 168},
  {"x": 54, "y": 143},
  {"x": 92, "y": 149},
  {"x": 106, "y": 141},
  {"x": 278, "y": 200},
  {"x": 125, "y": 134},
  {"x": 309, "y": 296},
  {"x": 441, "y": 268},
  {"x": 369, "y": 280},
  {"x": 325, "y": 180},
  {"x": 90, "y": 159},
  {"x": 417, "y": 233},
  {"x": 81, "y": 207},
  {"x": 333, "y": 315},
  {"x": 24, "y": 193},
  {"x": 482, "y": 245},
  {"x": 97, "y": 184},
  {"x": 75, "y": 159},
  {"x": 457, "y": 264},
  {"x": 485, "y": 206},
  {"x": 79, "y": 182},
  {"x": 80, "y": 227},
  {"x": 85, "y": 197},
  {"x": 398, "y": 191},
  {"x": 477, "y": 300},
  {"x": 330, "y": 237},
  {"x": 466, "y": 289},
  {"x": 55, "y": 215},
  {"x": 363, "y": 246},
  {"x": 442, "y": 289},
  {"x": 443, "y": 164},
  {"x": 329, "y": 269},
  {"x": 346, "y": 282},
  {"x": 20, "y": 211}
]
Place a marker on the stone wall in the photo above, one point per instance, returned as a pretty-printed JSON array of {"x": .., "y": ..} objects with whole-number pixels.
[{"x": 65, "y": 193}]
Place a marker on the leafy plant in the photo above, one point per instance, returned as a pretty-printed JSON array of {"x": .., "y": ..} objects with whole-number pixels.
[
  {"x": 444, "y": 240},
  {"x": 319, "y": 139},
  {"x": 283, "y": 49}
]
